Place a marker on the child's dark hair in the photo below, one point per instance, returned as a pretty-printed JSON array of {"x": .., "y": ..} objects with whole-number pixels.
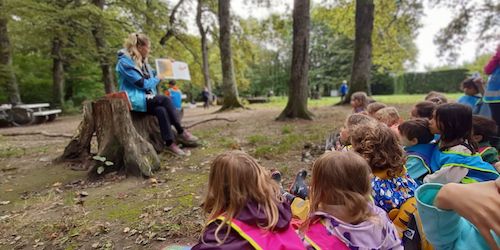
[
  {"x": 436, "y": 97},
  {"x": 454, "y": 120},
  {"x": 484, "y": 127},
  {"x": 424, "y": 109},
  {"x": 416, "y": 128},
  {"x": 469, "y": 84}
]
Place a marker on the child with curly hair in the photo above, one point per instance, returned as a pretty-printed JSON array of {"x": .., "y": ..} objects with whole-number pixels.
[
  {"x": 379, "y": 145},
  {"x": 352, "y": 121}
]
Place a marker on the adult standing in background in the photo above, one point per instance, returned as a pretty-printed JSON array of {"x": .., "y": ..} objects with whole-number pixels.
[
  {"x": 136, "y": 77},
  {"x": 343, "y": 90},
  {"x": 205, "y": 95},
  {"x": 492, "y": 93}
]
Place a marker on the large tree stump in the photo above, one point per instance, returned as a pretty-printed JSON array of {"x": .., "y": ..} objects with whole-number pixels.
[
  {"x": 147, "y": 126},
  {"x": 118, "y": 140}
]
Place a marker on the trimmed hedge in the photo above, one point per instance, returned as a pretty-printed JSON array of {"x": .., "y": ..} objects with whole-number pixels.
[
  {"x": 382, "y": 83},
  {"x": 447, "y": 81}
]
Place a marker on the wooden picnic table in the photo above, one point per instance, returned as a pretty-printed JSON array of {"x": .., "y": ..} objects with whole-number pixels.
[
  {"x": 28, "y": 113},
  {"x": 35, "y": 106}
]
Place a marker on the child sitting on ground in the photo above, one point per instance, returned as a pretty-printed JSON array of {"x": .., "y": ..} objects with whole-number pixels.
[
  {"x": 436, "y": 97},
  {"x": 423, "y": 109},
  {"x": 379, "y": 145},
  {"x": 341, "y": 207},
  {"x": 484, "y": 130},
  {"x": 456, "y": 159},
  {"x": 471, "y": 93},
  {"x": 416, "y": 137},
  {"x": 244, "y": 207},
  {"x": 359, "y": 101},
  {"x": 373, "y": 107},
  {"x": 390, "y": 117},
  {"x": 352, "y": 121}
]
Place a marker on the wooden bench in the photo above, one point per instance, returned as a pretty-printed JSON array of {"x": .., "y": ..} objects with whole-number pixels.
[
  {"x": 44, "y": 115},
  {"x": 24, "y": 114},
  {"x": 253, "y": 100}
]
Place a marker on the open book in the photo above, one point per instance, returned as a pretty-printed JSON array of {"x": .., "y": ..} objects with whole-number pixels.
[{"x": 168, "y": 69}]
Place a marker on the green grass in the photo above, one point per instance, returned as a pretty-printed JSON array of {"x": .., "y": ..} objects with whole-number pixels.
[
  {"x": 257, "y": 139},
  {"x": 280, "y": 101}
]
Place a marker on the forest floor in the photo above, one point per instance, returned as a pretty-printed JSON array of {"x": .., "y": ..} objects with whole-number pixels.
[{"x": 49, "y": 206}]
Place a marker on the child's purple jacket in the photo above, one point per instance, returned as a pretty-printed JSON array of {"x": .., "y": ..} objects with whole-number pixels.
[{"x": 251, "y": 215}]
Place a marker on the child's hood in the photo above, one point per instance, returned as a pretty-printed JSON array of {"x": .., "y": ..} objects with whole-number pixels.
[
  {"x": 376, "y": 233},
  {"x": 254, "y": 214}
]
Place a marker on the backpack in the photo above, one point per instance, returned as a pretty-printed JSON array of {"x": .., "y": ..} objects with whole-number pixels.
[{"x": 408, "y": 223}]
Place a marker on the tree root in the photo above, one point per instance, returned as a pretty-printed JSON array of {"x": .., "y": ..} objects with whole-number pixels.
[{"x": 37, "y": 133}]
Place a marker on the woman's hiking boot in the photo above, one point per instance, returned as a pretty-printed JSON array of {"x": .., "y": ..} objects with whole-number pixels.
[
  {"x": 186, "y": 138},
  {"x": 174, "y": 149}
]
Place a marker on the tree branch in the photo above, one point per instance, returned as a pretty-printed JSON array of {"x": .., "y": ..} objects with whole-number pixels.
[
  {"x": 193, "y": 53},
  {"x": 208, "y": 120},
  {"x": 171, "y": 30}
]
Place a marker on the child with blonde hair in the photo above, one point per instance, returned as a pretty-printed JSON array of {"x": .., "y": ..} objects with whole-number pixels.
[
  {"x": 359, "y": 101},
  {"x": 342, "y": 213},
  {"x": 352, "y": 121},
  {"x": 379, "y": 145},
  {"x": 389, "y": 116},
  {"x": 244, "y": 207}
]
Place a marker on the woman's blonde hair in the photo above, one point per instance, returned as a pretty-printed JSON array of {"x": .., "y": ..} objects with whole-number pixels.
[
  {"x": 235, "y": 179},
  {"x": 380, "y": 147},
  {"x": 341, "y": 178},
  {"x": 133, "y": 41}
]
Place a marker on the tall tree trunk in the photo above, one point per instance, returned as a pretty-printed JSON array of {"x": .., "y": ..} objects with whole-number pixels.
[
  {"x": 57, "y": 72},
  {"x": 298, "y": 85},
  {"x": 7, "y": 77},
  {"x": 229, "y": 87},
  {"x": 362, "y": 62},
  {"x": 204, "y": 47},
  {"x": 100, "y": 42}
]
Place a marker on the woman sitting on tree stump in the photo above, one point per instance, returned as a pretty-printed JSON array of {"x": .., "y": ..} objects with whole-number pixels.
[{"x": 140, "y": 82}]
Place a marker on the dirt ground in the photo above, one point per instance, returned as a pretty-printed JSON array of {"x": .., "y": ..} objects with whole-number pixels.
[{"x": 49, "y": 206}]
